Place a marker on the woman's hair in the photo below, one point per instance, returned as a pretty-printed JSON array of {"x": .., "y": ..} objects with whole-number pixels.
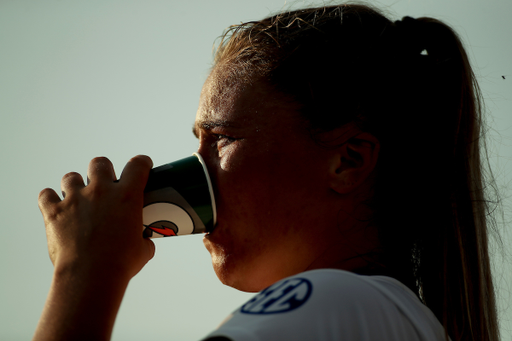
[{"x": 409, "y": 83}]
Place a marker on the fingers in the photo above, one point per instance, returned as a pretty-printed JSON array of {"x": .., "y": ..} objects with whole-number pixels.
[
  {"x": 70, "y": 182},
  {"x": 99, "y": 226},
  {"x": 48, "y": 201},
  {"x": 100, "y": 170},
  {"x": 47, "y": 197},
  {"x": 136, "y": 171}
]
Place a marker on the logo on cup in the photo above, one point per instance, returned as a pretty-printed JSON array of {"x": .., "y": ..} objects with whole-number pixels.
[{"x": 178, "y": 199}]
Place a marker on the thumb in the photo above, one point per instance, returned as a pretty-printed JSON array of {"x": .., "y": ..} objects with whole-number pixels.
[{"x": 150, "y": 249}]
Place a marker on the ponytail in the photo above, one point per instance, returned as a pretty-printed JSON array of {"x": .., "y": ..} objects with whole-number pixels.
[
  {"x": 454, "y": 264},
  {"x": 440, "y": 246}
]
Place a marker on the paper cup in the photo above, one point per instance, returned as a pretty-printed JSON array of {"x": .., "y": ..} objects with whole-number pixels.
[{"x": 179, "y": 200}]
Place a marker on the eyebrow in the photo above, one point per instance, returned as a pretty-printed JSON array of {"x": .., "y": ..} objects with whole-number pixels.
[{"x": 209, "y": 125}]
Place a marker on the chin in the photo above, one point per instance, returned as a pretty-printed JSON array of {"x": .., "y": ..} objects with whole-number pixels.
[
  {"x": 230, "y": 279},
  {"x": 234, "y": 271}
]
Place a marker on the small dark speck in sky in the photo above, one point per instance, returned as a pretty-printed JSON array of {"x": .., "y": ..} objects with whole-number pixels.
[{"x": 503, "y": 77}]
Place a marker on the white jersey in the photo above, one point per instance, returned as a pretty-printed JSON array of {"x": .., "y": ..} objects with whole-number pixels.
[{"x": 332, "y": 304}]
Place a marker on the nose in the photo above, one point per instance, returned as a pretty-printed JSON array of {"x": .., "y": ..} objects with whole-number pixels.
[
  {"x": 202, "y": 149},
  {"x": 208, "y": 155}
]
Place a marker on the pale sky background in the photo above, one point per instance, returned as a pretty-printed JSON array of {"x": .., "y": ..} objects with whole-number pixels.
[{"x": 80, "y": 79}]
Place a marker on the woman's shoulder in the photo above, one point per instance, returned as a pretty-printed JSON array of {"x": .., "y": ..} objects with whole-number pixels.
[
  {"x": 346, "y": 292},
  {"x": 382, "y": 299},
  {"x": 331, "y": 304},
  {"x": 348, "y": 286}
]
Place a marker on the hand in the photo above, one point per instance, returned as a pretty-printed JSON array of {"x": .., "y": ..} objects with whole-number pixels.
[
  {"x": 96, "y": 230},
  {"x": 96, "y": 245}
]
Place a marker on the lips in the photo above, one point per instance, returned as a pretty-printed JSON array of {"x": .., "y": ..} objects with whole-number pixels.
[{"x": 211, "y": 233}]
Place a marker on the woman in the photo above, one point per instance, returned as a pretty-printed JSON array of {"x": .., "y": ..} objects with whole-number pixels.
[{"x": 344, "y": 152}]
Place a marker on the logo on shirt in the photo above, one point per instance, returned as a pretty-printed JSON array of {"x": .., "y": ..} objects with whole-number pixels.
[{"x": 281, "y": 297}]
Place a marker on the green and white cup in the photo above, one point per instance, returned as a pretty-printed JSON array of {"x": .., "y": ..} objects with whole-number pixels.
[{"x": 179, "y": 199}]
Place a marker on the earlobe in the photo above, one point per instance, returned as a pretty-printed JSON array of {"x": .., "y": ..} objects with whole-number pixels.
[{"x": 353, "y": 162}]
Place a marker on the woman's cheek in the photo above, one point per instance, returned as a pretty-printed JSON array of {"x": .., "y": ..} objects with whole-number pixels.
[{"x": 227, "y": 155}]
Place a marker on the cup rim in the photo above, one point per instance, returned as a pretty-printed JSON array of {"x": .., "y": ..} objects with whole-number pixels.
[{"x": 210, "y": 187}]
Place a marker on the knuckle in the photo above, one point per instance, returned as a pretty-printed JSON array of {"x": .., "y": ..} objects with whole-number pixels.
[
  {"x": 51, "y": 214},
  {"x": 46, "y": 197},
  {"x": 71, "y": 176},
  {"x": 142, "y": 160},
  {"x": 50, "y": 211},
  {"x": 97, "y": 191},
  {"x": 100, "y": 161},
  {"x": 43, "y": 195},
  {"x": 129, "y": 196}
]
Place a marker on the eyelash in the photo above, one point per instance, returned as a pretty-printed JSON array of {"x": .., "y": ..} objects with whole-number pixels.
[{"x": 220, "y": 137}]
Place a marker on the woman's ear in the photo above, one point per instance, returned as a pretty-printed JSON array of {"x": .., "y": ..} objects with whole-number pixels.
[{"x": 353, "y": 162}]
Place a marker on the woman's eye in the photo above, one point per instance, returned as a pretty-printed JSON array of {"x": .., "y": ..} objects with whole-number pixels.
[{"x": 222, "y": 140}]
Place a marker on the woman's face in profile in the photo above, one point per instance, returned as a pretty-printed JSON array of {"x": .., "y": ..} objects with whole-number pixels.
[{"x": 269, "y": 177}]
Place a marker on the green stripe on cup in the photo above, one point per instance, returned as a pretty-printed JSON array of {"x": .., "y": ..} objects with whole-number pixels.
[{"x": 179, "y": 197}]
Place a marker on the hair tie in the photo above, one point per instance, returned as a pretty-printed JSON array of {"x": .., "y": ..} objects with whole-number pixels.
[{"x": 411, "y": 36}]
